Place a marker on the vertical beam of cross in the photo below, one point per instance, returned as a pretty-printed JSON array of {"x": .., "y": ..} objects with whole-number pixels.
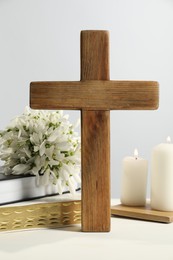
[{"x": 95, "y": 130}]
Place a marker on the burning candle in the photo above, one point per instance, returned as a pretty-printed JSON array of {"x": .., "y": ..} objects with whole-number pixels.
[
  {"x": 134, "y": 180},
  {"x": 162, "y": 177}
]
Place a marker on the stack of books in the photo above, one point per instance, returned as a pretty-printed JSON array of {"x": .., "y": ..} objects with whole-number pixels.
[
  {"x": 48, "y": 212},
  {"x": 24, "y": 205}
]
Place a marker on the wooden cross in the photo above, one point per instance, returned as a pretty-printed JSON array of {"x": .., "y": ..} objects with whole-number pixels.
[{"x": 95, "y": 95}]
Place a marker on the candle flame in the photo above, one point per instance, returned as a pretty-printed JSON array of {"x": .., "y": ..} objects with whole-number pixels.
[
  {"x": 168, "y": 139},
  {"x": 136, "y": 153}
]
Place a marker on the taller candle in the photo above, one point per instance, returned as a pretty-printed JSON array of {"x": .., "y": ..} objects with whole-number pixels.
[{"x": 162, "y": 177}]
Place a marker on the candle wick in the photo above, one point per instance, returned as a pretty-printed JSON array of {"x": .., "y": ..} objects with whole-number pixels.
[{"x": 136, "y": 154}]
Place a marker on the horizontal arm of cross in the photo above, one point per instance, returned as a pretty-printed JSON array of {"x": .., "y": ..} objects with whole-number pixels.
[{"x": 95, "y": 95}]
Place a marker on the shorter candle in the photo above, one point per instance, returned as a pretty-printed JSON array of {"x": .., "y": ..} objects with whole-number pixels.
[
  {"x": 134, "y": 180},
  {"x": 162, "y": 177}
]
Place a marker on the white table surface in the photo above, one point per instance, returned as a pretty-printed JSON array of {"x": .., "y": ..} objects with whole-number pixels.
[{"x": 128, "y": 239}]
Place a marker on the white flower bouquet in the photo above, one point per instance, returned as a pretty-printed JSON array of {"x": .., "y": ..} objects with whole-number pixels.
[{"x": 44, "y": 144}]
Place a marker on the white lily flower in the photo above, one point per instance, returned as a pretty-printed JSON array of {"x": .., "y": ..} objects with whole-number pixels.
[
  {"x": 20, "y": 169},
  {"x": 49, "y": 152},
  {"x": 42, "y": 148},
  {"x": 35, "y": 171},
  {"x": 36, "y": 148},
  {"x": 71, "y": 186},
  {"x": 60, "y": 188}
]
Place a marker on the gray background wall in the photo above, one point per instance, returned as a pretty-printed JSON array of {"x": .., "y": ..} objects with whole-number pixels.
[{"x": 39, "y": 40}]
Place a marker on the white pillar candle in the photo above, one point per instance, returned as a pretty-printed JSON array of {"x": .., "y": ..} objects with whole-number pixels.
[
  {"x": 162, "y": 177},
  {"x": 134, "y": 181}
]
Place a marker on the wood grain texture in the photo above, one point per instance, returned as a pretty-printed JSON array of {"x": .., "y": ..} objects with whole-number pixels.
[
  {"x": 95, "y": 55},
  {"x": 95, "y": 95},
  {"x": 143, "y": 213},
  {"x": 95, "y": 130},
  {"x": 96, "y": 171}
]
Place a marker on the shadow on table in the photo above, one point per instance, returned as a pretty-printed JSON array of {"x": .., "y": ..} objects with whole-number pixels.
[{"x": 15, "y": 241}]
